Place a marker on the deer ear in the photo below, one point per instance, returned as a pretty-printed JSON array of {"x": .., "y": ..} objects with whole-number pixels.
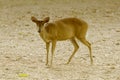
[
  {"x": 34, "y": 19},
  {"x": 46, "y": 19}
]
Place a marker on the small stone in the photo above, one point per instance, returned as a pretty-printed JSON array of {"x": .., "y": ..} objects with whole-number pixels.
[
  {"x": 27, "y": 25},
  {"x": 112, "y": 67},
  {"x": 117, "y": 30},
  {"x": 6, "y": 68},
  {"x": 117, "y": 43}
]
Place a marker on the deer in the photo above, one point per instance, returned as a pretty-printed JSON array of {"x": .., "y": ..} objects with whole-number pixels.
[{"x": 60, "y": 30}]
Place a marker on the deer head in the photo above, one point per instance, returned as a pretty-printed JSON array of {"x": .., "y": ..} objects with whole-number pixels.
[{"x": 40, "y": 23}]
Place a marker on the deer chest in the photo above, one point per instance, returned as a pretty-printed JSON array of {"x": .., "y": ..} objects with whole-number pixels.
[{"x": 45, "y": 37}]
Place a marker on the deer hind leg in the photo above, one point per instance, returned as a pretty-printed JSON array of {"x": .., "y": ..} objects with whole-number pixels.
[
  {"x": 52, "y": 51},
  {"x": 85, "y": 42},
  {"x": 75, "y": 49},
  {"x": 47, "y": 48}
]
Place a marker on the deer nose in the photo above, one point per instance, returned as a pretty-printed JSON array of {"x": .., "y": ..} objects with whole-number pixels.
[{"x": 39, "y": 31}]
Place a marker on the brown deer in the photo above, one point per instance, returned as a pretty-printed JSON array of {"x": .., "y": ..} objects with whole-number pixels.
[{"x": 67, "y": 28}]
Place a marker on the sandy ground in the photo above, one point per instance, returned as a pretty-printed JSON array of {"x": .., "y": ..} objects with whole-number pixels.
[{"x": 22, "y": 51}]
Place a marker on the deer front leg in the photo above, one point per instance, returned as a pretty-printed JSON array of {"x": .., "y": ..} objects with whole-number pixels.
[
  {"x": 52, "y": 50},
  {"x": 47, "y": 49}
]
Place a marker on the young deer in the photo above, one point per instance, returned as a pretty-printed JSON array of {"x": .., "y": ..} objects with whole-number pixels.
[{"x": 68, "y": 28}]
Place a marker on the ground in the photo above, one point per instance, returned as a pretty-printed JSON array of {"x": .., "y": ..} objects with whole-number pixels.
[{"x": 23, "y": 52}]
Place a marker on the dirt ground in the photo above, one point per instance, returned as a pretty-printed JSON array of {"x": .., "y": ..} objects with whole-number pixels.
[{"x": 23, "y": 53}]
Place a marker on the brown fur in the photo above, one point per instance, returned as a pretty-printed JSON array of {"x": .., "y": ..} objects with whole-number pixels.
[{"x": 68, "y": 28}]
